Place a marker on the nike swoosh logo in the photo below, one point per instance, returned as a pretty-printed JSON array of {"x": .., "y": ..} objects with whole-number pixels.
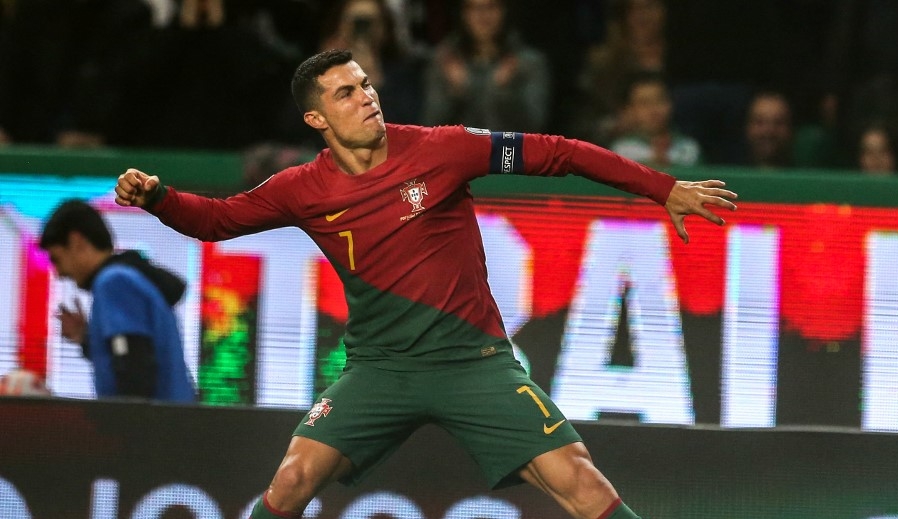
[
  {"x": 332, "y": 217},
  {"x": 549, "y": 430}
]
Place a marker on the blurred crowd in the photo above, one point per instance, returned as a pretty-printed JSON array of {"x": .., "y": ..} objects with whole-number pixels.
[{"x": 757, "y": 83}]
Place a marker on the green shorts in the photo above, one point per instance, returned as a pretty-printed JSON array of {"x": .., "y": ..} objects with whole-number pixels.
[{"x": 501, "y": 418}]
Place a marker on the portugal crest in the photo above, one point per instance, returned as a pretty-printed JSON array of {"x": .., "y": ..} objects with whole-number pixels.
[
  {"x": 414, "y": 193},
  {"x": 319, "y": 410}
]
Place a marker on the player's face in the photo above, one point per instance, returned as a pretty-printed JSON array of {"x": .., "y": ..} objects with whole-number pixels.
[{"x": 349, "y": 109}]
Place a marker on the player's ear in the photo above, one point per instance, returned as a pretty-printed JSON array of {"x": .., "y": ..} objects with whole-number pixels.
[{"x": 315, "y": 119}]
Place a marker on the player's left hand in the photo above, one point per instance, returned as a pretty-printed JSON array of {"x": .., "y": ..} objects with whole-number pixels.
[{"x": 691, "y": 198}]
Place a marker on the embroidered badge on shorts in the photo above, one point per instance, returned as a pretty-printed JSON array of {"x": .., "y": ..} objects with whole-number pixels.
[{"x": 319, "y": 410}]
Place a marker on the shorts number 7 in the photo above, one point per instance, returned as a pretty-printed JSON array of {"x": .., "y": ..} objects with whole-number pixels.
[{"x": 526, "y": 389}]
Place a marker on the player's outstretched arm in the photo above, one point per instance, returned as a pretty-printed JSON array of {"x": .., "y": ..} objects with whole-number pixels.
[
  {"x": 205, "y": 218},
  {"x": 135, "y": 188},
  {"x": 692, "y": 198}
]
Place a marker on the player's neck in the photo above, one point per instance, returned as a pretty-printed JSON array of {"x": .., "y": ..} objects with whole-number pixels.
[{"x": 357, "y": 161}]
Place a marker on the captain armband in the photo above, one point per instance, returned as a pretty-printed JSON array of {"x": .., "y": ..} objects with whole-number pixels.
[{"x": 507, "y": 153}]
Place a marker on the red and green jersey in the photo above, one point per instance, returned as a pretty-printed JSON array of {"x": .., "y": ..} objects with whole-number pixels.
[{"x": 403, "y": 236}]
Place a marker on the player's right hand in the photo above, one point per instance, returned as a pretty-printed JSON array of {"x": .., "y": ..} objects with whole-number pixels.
[{"x": 135, "y": 188}]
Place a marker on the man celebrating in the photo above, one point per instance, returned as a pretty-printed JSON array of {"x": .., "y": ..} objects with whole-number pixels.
[{"x": 389, "y": 205}]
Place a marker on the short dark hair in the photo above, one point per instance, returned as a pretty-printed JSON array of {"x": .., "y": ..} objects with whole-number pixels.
[
  {"x": 76, "y": 215},
  {"x": 305, "y": 86}
]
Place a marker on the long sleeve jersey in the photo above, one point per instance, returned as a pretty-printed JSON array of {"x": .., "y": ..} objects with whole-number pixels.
[{"x": 403, "y": 236}]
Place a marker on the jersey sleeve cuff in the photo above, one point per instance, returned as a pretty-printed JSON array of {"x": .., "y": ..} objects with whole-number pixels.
[{"x": 156, "y": 198}]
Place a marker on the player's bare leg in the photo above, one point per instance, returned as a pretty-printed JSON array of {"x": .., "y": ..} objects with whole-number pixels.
[
  {"x": 570, "y": 477},
  {"x": 307, "y": 468}
]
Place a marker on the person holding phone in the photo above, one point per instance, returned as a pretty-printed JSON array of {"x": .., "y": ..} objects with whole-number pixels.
[{"x": 368, "y": 29}]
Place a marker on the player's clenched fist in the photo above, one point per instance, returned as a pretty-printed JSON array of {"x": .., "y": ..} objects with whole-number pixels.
[{"x": 135, "y": 188}]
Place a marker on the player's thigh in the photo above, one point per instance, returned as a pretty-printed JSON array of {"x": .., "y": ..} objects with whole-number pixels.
[
  {"x": 502, "y": 418},
  {"x": 365, "y": 416}
]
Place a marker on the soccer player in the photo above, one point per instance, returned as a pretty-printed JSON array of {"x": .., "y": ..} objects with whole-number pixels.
[
  {"x": 132, "y": 339},
  {"x": 390, "y": 207}
]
